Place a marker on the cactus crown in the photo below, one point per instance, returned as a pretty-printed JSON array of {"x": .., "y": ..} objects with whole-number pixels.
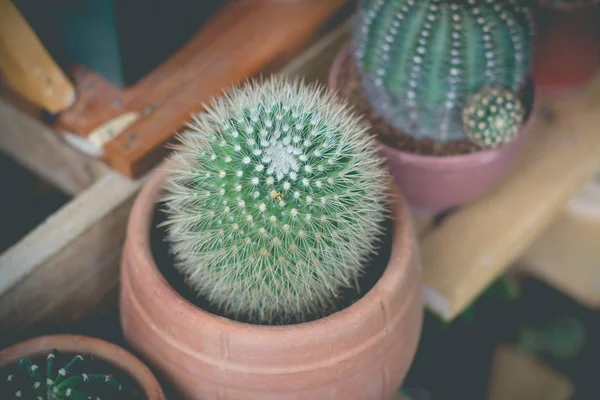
[
  {"x": 420, "y": 60},
  {"x": 275, "y": 201},
  {"x": 58, "y": 384}
]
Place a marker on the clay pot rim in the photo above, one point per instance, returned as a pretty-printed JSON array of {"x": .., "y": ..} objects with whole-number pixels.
[
  {"x": 77, "y": 344},
  {"x": 399, "y": 263},
  {"x": 432, "y": 161}
]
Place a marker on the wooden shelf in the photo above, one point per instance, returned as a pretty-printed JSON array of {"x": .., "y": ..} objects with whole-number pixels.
[
  {"x": 26, "y": 64},
  {"x": 567, "y": 255}
]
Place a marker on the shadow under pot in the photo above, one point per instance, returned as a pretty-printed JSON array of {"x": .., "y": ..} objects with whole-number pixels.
[
  {"x": 567, "y": 49},
  {"x": 431, "y": 183},
  {"x": 361, "y": 352}
]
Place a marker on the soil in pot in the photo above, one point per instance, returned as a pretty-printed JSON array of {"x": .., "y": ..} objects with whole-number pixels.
[
  {"x": 131, "y": 390},
  {"x": 346, "y": 297},
  {"x": 350, "y": 87}
]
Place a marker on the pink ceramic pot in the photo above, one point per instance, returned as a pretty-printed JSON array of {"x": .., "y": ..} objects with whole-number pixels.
[
  {"x": 433, "y": 184},
  {"x": 362, "y": 352}
]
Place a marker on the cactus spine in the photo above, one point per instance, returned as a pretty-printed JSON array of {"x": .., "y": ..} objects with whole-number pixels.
[
  {"x": 421, "y": 60},
  {"x": 275, "y": 201},
  {"x": 58, "y": 384}
]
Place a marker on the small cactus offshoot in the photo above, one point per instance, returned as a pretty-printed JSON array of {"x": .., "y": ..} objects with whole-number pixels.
[
  {"x": 275, "y": 201},
  {"x": 493, "y": 117},
  {"x": 58, "y": 383},
  {"x": 420, "y": 60}
]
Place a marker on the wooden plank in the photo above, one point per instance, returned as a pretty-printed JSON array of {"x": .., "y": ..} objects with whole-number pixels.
[
  {"x": 235, "y": 44},
  {"x": 518, "y": 376},
  {"x": 75, "y": 281},
  {"x": 45, "y": 153},
  {"x": 86, "y": 230},
  {"x": 567, "y": 255},
  {"x": 28, "y": 66},
  {"x": 476, "y": 244}
]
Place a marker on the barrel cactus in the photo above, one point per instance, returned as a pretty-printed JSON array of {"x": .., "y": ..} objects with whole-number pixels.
[
  {"x": 275, "y": 201},
  {"x": 61, "y": 384},
  {"x": 420, "y": 60}
]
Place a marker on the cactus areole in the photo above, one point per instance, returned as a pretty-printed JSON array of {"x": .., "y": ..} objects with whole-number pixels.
[
  {"x": 275, "y": 201},
  {"x": 421, "y": 60}
]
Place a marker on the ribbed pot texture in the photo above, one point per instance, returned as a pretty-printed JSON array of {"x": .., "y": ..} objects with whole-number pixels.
[
  {"x": 362, "y": 352},
  {"x": 84, "y": 345},
  {"x": 433, "y": 184}
]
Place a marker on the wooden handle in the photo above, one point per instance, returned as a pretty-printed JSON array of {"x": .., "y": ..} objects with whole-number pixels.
[{"x": 27, "y": 66}]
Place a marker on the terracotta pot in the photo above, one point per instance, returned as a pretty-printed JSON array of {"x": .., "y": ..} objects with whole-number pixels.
[
  {"x": 433, "y": 184},
  {"x": 361, "y": 352},
  {"x": 566, "y": 51},
  {"x": 74, "y": 344}
]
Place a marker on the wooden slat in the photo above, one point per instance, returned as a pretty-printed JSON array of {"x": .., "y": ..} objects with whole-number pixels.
[
  {"x": 567, "y": 255},
  {"x": 27, "y": 66},
  {"x": 43, "y": 152},
  {"x": 476, "y": 244},
  {"x": 518, "y": 376},
  {"x": 247, "y": 36},
  {"x": 70, "y": 261}
]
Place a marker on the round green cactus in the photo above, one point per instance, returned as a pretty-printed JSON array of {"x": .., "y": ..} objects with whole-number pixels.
[
  {"x": 493, "y": 117},
  {"x": 275, "y": 201},
  {"x": 421, "y": 60}
]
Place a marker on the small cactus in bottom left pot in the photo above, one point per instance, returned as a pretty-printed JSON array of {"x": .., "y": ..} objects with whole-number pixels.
[{"x": 28, "y": 383}]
